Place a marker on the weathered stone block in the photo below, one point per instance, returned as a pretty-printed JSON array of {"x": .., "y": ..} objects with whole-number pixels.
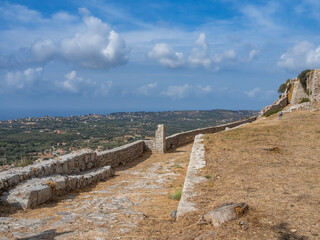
[{"x": 226, "y": 212}]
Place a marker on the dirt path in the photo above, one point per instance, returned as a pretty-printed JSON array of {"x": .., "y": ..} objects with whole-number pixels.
[{"x": 109, "y": 210}]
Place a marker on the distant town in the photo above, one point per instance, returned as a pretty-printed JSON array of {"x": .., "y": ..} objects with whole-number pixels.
[{"x": 28, "y": 140}]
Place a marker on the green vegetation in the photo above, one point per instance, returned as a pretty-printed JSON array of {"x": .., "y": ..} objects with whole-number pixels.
[
  {"x": 273, "y": 112},
  {"x": 207, "y": 176},
  {"x": 176, "y": 195},
  {"x": 47, "y": 137},
  {"x": 303, "y": 100},
  {"x": 303, "y": 77},
  {"x": 283, "y": 87}
]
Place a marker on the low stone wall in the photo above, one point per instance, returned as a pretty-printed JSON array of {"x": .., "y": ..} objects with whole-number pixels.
[
  {"x": 149, "y": 145},
  {"x": 121, "y": 155},
  {"x": 197, "y": 161},
  {"x": 73, "y": 163},
  {"x": 36, "y": 191},
  {"x": 183, "y": 138}
]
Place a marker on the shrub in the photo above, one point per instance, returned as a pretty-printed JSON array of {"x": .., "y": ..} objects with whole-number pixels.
[
  {"x": 25, "y": 163},
  {"x": 303, "y": 77},
  {"x": 176, "y": 195},
  {"x": 283, "y": 87},
  {"x": 273, "y": 112},
  {"x": 303, "y": 100}
]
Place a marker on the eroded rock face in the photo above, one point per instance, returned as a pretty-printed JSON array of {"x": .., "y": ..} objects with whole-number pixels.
[
  {"x": 295, "y": 92},
  {"x": 298, "y": 92},
  {"x": 313, "y": 85}
]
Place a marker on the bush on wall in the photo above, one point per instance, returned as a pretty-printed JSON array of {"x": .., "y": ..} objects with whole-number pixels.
[{"x": 303, "y": 77}]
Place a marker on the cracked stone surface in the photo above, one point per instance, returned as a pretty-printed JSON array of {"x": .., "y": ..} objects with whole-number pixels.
[{"x": 108, "y": 210}]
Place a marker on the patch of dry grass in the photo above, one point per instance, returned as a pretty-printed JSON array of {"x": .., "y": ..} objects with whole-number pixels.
[{"x": 272, "y": 165}]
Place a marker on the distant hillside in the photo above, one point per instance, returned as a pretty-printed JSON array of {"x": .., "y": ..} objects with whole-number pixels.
[{"x": 28, "y": 139}]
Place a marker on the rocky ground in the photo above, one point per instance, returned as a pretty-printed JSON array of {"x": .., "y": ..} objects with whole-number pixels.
[{"x": 109, "y": 210}]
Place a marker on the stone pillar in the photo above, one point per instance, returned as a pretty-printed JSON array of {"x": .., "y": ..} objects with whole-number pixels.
[{"x": 161, "y": 144}]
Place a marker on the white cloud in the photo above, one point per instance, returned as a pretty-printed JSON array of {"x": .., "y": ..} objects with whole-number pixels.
[
  {"x": 253, "y": 53},
  {"x": 19, "y": 13},
  {"x": 146, "y": 89},
  {"x": 179, "y": 92},
  {"x": 302, "y": 55},
  {"x": 76, "y": 84},
  {"x": 71, "y": 82},
  {"x": 199, "y": 55},
  {"x": 252, "y": 93},
  {"x": 227, "y": 55},
  {"x": 22, "y": 79},
  {"x": 95, "y": 46},
  {"x": 166, "y": 56}
]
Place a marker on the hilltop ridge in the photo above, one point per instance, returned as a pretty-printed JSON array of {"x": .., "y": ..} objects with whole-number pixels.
[{"x": 303, "y": 89}]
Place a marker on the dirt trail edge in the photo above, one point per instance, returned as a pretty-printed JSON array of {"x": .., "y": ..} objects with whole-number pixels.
[{"x": 109, "y": 210}]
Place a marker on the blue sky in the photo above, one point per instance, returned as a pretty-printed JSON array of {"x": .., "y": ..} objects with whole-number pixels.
[{"x": 77, "y": 57}]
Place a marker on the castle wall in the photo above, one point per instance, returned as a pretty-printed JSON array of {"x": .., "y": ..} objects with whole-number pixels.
[
  {"x": 298, "y": 92},
  {"x": 313, "y": 85},
  {"x": 183, "y": 138}
]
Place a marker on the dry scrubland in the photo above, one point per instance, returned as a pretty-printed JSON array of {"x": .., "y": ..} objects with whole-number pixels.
[{"x": 274, "y": 166}]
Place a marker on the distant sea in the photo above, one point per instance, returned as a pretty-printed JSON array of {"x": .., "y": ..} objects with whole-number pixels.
[{"x": 10, "y": 114}]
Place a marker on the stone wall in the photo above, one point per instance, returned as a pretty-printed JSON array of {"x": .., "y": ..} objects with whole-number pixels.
[
  {"x": 120, "y": 155},
  {"x": 183, "y": 138},
  {"x": 298, "y": 92},
  {"x": 149, "y": 145},
  {"x": 73, "y": 163},
  {"x": 313, "y": 85}
]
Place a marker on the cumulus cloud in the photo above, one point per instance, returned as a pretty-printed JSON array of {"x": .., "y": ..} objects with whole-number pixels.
[
  {"x": 252, "y": 93},
  {"x": 75, "y": 84},
  {"x": 146, "y": 89},
  {"x": 302, "y": 55},
  {"x": 71, "y": 82},
  {"x": 95, "y": 47},
  {"x": 199, "y": 54},
  {"x": 21, "y": 79},
  {"x": 166, "y": 56},
  {"x": 179, "y": 92}
]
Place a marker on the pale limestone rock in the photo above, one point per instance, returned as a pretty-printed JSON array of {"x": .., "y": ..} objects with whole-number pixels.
[
  {"x": 226, "y": 212},
  {"x": 298, "y": 92},
  {"x": 161, "y": 145}
]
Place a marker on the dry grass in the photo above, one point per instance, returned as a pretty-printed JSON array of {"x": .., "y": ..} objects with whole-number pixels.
[
  {"x": 272, "y": 165},
  {"x": 52, "y": 184}
]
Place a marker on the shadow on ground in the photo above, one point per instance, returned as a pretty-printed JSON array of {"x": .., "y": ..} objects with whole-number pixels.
[
  {"x": 48, "y": 235},
  {"x": 285, "y": 233}
]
